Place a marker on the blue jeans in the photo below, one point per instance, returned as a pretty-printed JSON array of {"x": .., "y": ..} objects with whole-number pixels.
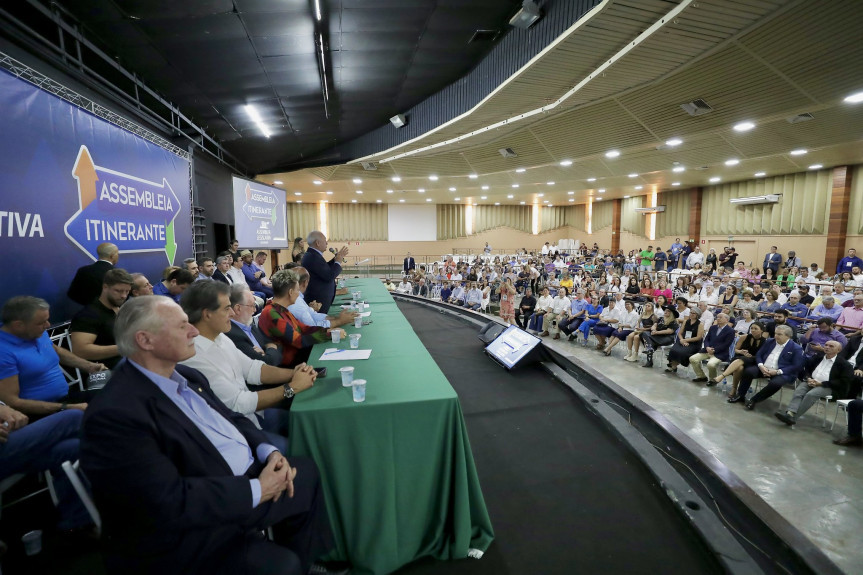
[{"x": 46, "y": 444}]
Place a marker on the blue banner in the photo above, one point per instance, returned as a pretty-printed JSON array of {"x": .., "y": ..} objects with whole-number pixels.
[
  {"x": 70, "y": 181},
  {"x": 259, "y": 215}
]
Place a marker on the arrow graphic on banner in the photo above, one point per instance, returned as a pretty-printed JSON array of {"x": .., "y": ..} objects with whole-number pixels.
[{"x": 135, "y": 214}]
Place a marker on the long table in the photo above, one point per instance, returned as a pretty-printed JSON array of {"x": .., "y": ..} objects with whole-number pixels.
[{"x": 397, "y": 470}]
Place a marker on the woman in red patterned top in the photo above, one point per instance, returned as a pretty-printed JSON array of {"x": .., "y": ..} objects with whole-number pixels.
[{"x": 277, "y": 323}]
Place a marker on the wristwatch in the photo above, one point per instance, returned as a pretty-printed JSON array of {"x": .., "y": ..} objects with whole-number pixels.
[
  {"x": 63, "y": 406},
  {"x": 289, "y": 392}
]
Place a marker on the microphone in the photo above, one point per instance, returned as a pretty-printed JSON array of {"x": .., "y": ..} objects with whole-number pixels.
[{"x": 333, "y": 251}]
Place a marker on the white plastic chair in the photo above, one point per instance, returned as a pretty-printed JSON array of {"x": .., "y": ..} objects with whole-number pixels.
[
  {"x": 841, "y": 404},
  {"x": 60, "y": 339}
]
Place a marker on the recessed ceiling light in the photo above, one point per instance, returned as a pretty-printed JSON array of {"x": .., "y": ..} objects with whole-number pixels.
[
  {"x": 549, "y": 183},
  {"x": 329, "y": 193},
  {"x": 816, "y": 166},
  {"x": 396, "y": 179},
  {"x": 591, "y": 179},
  {"x": 612, "y": 154},
  {"x": 456, "y": 199},
  {"x": 422, "y": 190},
  {"x": 474, "y": 203},
  {"x": 743, "y": 126},
  {"x": 854, "y": 98},
  {"x": 760, "y": 174},
  {"x": 389, "y": 191},
  {"x": 452, "y": 189},
  {"x": 357, "y": 181},
  {"x": 639, "y": 187},
  {"x": 485, "y": 187},
  {"x": 678, "y": 169},
  {"x": 673, "y": 142},
  {"x": 732, "y": 162},
  {"x": 625, "y": 197},
  {"x": 359, "y": 191},
  {"x": 428, "y": 199},
  {"x": 550, "y": 205},
  {"x": 473, "y": 176},
  {"x": 299, "y": 201},
  {"x": 353, "y": 201},
  {"x": 277, "y": 182},
  {"x": 483, "y": 197},
  {"x": 714, "y": 179},
  {"x": 515, "y": 185},
  {"x": 497, "y": 203},
  {"x": 401, "y": 201},
  {"x": 315, "y": 182},
  {"x": 571, "y": 199},
  {"x": 519, "y": 171},
  {"x": 566, "y": 163},
  {"x": 798, "y": 152},
  {"x": 601, "y": 190},
  {"x": 544, "y": 201},
  {"x": 510, "y": 196},
  {"x": 540, "y": 195},
  {"x": 433, "y": 178},
  {"x": 633, "y": 175},
  {"x": 298, "y": 193},
  {"x": 598, "y": 199},
  {"x": 379, "y": 201},
  {"x": 326, "y": 201},
  {"x": 675, "y": 183},
  {"x": 521, "y": 203},
  {"x": 570, "y": 193}
]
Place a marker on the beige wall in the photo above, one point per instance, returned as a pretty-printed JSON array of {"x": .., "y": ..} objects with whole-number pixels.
[{"x": 753, "y": 248}]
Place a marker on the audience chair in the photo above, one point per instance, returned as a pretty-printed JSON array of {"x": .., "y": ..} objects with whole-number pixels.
[
  {"x": 60, "y": 339},
  {"x": 12, "y": 480},
  {"x": 71, "y": 470},
  {"x": 841, "y": 404}
]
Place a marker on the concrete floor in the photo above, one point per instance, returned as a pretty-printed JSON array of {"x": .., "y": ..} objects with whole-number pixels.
[{"x": 815, "y": 485}]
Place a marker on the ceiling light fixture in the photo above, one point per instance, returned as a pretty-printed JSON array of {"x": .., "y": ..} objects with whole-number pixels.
[
  {"x": 612, "y": 154},
  {"x": 473, "y": 176},
  {"x": 760, "y": 174},
  {"x": 540, "y": 195},
  {"x": 520, "y": 170},
  {"x": 277, "y": 182},
  {"x": 714, "y": 179},
  {"x": 433, "y": 178},
  {"x": 396, "y": 179},
  {"x": 854, "y": 98},
  {"x": 428, "y": 199},
  {"x": 798, "y": 152},
  {"x": 256, "y": 118},
  {"x": 601, "y": 190},
  {"x": 675, "y": 183},
  {"x": 591, "y": 179},
  {"x": 816, "y": 166},
  {"x": 743, "y": 126},
  {"x": 732, "y": 162},
  {"x": 678, "y": 169},
  {"x": 673, "y": 142},
  {"x": 401, "y": 201},
  {"x": 456, "y": 199},
  {"x": 521, "y": 203},
  {"x": 315, "y": 182},
  {"x": 598, "y": 199},
  {"x": 639, "y": 187},
  {"x": 298, "y": 193},
  {"x": 357, "y": 181},
  {"x": 566, "y": 163},
  {"x": 483, "y": 197},
  {"x": 497, "y": 203},
  {"x": 544, "y": 201},
  {"x": 299, "y": 201},
  {"x": 633, "y": 175},
  {"x": 626, "y": 197},
  {"x": 389, "y": 191},
  {"x": 571, "y": 199},
  {"x": 485, "y": 187},
  {"x": 510, "y": 196},
  {"x": 570, "y": 193},
  {"x": 452, "y": 189},
  {"x": 359, "y": 191},
  {"x": 422, "y": 190},
  {"x": 549, "y": 183},
  {"x": 353, "y": 201},
  {"x": 515, "y": 185},
  {"x": 329, "y": 193},
  {"x": 379, "y": 201}
]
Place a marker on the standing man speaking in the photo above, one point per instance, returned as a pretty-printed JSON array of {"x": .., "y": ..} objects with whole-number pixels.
[{"x": 322, "y": 273}]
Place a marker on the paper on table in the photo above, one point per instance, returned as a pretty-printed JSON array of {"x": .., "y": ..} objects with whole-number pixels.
[
  {"x": 365, "y": 314},
  {"x": 365, "y": 306},
  {"x": 333, "y": 354}
]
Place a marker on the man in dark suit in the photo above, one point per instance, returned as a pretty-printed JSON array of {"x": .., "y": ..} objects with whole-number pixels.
[
  {"x": 825, "y": 376},
  {"x": 716, "y": 349},
  {"x": 87, "y": 283},
  {"x": 183, "y": 484},
  {"x": 779, "y": 360},
  {"x": 409, "y": 264},
  {"x": 772, "y": 261},
  {"x": 421, "y": 289},
  {"x": 322, "y": 273},
  {"x": 245, "y": 335},
  {"x": 853, "y": 352},
  {"x": 223, "y": 264}
]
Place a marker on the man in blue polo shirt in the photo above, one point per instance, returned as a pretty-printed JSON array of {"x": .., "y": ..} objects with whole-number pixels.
[
  {"x": 175, "y": 284},
  {"x": 798, "y": 310},
  {"x": 575, "y": 316},
  {"x": 848, "y": 263},
  {"x": 31, "y": 380}
]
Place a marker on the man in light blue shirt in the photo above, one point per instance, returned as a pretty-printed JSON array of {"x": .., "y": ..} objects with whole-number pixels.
[
  {"x": 457, "y": 296},
  {"x": 473, "y": 300},
  {"x": 308, "y": 315}
]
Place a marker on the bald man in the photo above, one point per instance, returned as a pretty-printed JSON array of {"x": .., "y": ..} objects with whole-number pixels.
[
  {"x": 87, "y": 284},
  {"x": 322, "y": 273}
]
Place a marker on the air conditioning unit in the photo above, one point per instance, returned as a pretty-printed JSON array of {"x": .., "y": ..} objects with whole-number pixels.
[
  {"x": 653, "y": 210},
  {"x": 768, "y": 199},
  {"x": 507, "y": 152},
  {"x": 369, "y": 166}
]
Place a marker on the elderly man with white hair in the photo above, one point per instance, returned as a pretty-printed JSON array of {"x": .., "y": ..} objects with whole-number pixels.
[
  {"x": 779, "y": 360},
  {"x": 322, "y": 273},
  {"x": 827, "y": 375},
  {"x": 715, "y": 349}
]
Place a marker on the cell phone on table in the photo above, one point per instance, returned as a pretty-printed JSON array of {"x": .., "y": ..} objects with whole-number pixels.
[{"x": 322, "y": 371}]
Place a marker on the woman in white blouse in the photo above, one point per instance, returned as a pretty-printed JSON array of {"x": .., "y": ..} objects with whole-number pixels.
[
  {"x": 611, "y": 315},
  {"x": 625, "y": 326}
]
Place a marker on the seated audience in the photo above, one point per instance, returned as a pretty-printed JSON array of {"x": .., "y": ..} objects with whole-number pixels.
[
  {"x": 92, "y": 329},
  {"x": 645, "y": 322},
  {"x": 855, "y": 425},
  {"x": 222, "y": 271},
  {"x": 405, "y": 286},
  {"x": 573, "y": 316},
  {"x": 31, "y": 380},
  {"x": 851, "y": 318},
  {"x": 172, "y": 505},
  {"x": 174, "y": 285},
  {"x": 191, "y": 264},
  {"x": 661, "y": 334},
  {"x": 543, "y": 305},
  {"x": 687, "y": 342},
  {"x": 827, "y": 308},
  {"x": 827, "y": 375},
  {"x": 254, "y": 275},
  {"x": 840, "y": 295},
  {"x": 87, "y": 283},
  {"x": 277, "y": 323},
  {"x": 716, "y": 348},
  {"x": 390, "y": 285},
  {"x": 744, "y": 355},
  {"x": 245, "y": 335},
  {"x": 779, "y": 360},
  {"x": 421, "y": 289},
  {"x": 306, "y": 313},
  {"x": 206, "y": 268},
  {"x": 140, "y": 285},
  {"x": 609, "y": 319},
  {"x": 592, "y": 312},
  {"x": 741, "y": 326},
  {"x": 559, "y": 305},
  {"x": 525, "y": 308},
  {"x": 819, "y": 334}
]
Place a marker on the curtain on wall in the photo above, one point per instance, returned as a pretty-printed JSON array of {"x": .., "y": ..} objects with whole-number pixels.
[
  {"x": 551, "y": 218},
  {"x": 301, "y": 219},
  {"x": 855, "y": 212},
  {"x": 603, "y": 213},
  {"x": 803, "y": 209},
  {"x": 489, "y": 217},
  {"x": 357, "y": 222},
  {"x": 451, "y": 221},
  {"x": 630, "y": 220},
  {"x": 674, "y": 221},
  {"x": 577, "y": 217}
]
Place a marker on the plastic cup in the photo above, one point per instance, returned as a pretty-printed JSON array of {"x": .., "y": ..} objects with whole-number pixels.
[
  {"x": 355, "y": 340},
  {"x": 355, "y": 295},
  {"x": 32, "y": 540},
  {"x": 359, "y": 388},
  {"x": 358, "y": 321},
  {"x": 347, "y": 376},
  {"x": 336, "y": 335}
]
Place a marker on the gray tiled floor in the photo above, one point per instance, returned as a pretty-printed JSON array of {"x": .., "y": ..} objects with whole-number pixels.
[{"x": 815, "y": 485}]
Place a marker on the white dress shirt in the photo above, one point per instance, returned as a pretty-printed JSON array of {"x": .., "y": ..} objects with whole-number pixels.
[
  {"x": 560, "y": 304},
  {"x": 853, "y": 359},
  {"x": 228, "y": 370},
  {"x": 707, "y": 320},
  {"x": 544, "y": 303},
  {"x": 822, "y": 372},
  {"x": 629, "y": 320},
  {"x": 236, "y": 276},
  {"x": 772, "y": 360}
]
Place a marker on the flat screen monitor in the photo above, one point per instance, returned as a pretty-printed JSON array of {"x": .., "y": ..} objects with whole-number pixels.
[
  {"x": 259, "y": 215},
  {"x": 512, "y": 346}
]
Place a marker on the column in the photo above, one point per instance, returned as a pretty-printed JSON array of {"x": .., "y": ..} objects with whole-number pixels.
[
  {"x": 837, "y": 227},
  {"x": 615, "y": 226},
  {"x": 695, "y": 215}
]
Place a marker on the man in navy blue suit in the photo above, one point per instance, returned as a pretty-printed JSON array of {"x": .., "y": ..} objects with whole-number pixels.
[
  {"x": 322, "y": 273},
  {"x": 409, "y": 264},
  {"x": 716, "y": 349},
  {"x": 779, "y": 360},
  {"x": 183, "y": 484}
]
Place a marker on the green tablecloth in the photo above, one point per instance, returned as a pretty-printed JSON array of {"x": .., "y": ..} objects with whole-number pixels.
[{"x": 397, "y": 470}]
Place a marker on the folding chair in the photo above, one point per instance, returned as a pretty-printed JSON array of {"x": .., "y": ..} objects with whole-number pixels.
[
  {"x": 71, "y": 470},
  {"x": 61, "y": 339}
]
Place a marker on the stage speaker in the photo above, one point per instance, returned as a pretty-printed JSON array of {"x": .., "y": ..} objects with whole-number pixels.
[
  {"x": 490, "y": 331},
  {"x": 514, "y": 347}
]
